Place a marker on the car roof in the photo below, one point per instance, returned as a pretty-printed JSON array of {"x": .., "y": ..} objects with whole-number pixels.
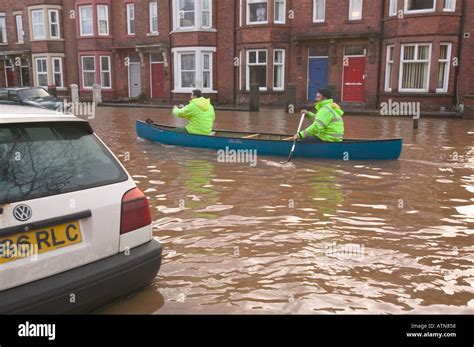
[
  {"x": 27, "y": 114},
  {"x": 19, "y": 88}
]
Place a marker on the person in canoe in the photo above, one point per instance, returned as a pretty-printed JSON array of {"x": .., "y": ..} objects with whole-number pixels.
[
  {"x": 328, "y": 125},
  {"x": 200, "y": 114}
]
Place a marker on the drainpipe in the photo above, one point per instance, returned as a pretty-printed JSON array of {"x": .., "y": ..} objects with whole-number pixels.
[
  {"x": 238, "y": 68},
  {"x": 380, "y": 51},
  {"x": 457, "y": 101}
]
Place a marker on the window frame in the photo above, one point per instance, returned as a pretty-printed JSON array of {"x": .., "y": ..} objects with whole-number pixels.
[
  {"x": 60, "y": 72},
  {"x": 447, "y": 72},
  {"x": 402, "y": 67},
  {"x": 199, "y": 53},
  {"x": 407, "y": 11},
  {"x": 37, "y": 72},
  {"x": 109, "y": 71},
  {"x": 282, "y": 65},
  {"x": 391, "y": 63},
  {"x": 248, "y": 64},
  {"x": 50, "y": 24},
  {"x": 198, "y": 17},
  {"x": 130, "y": 5},
  {"x": 283, "y": 21},
  {"x": 351, "y": 5},
  {"x": 4, "y": 37},
  {"x": 20, "y": 31},
  {"x": 315, "y": 19},
  {"x": 106, "y": 6},
  {"x": 249, "y": 2},
  {"x": 81, "y": 28},
  {"x": 452, "y": 8},
  {"x": 34, "y": 25},
  {"x": 153, "y": 14},
  {"x": 89, "y": 71},
  {"x": 393, "y": 8}
]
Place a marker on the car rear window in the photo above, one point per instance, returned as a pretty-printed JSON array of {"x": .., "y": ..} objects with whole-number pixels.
[{"x": 47, "y": 159}]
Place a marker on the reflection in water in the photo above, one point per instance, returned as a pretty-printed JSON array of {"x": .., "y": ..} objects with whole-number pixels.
[{"x": 256, "y": 240}]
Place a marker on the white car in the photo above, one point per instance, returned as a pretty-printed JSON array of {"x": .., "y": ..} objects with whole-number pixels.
[{"x": 75, "y": 231}]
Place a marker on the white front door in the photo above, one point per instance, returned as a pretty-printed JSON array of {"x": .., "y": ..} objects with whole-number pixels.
[{"x": 134, "y": 80}]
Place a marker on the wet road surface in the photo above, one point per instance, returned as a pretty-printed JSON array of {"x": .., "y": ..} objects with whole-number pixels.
[{"x": 313, "y": 237}]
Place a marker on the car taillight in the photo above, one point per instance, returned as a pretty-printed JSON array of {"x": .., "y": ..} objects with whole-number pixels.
[{"x": 135, "y": 211}]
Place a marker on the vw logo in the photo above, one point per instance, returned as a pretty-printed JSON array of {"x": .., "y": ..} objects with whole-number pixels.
[{"x": 22, "y": 213}]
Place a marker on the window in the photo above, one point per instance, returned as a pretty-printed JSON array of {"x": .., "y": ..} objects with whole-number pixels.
[
  {"x": 206, "y": 70},
  {"x": 355, "y": 9},
  {"x": 86, "y": 22},
  {"x": 88, "y": 71},
  {"x": 103, "y": 19},
  {"x": 130, "y": 19},
  {"x": 389, "y": 68},
  {"x": 319, "y": 11},
  {"x": 280, "y": 11},
  {"x": 415, "y": 67},
  {"x": 414, "y": 6},
  {"x": 41, "y": 72},
  {"x": 188, "y": 70},
  {"x": 257, "y": 11},
  {"x": 53, "y": 24},
  {"x": 3, "y": 28},
  {"x": 193, "y": 14},
  {"x": 154, "y": 17},
  {"x": 57, "y": 72},
  {"x": 449, "y": 5},
  {"x": 193, "y": 69},
  {"x": 57, "y": 158},
  {"x": 443, "y": 68},
  {"x": 19, "y": 28},
  {"x": 24, "y": 73},
  {"x": 257, "y": 68},
  {"x": 393, "y": 7},
  {"x": 206, "y": 13},
  {"x": 279, "y": 69},
  {"x": 37, "y": 18},
  {"x": 105, "y": 72}
]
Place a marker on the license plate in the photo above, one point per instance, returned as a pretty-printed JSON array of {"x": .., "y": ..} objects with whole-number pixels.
[{"x": 31, "y": 243}]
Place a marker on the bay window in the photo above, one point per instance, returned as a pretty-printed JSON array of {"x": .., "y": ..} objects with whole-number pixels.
[
  {"x": 449, "y": 5},
  {"x": 103, "y": 19},
  {"x": 257, "y": 11},
  {"x": 41, "y": 72},
  {"x": 105, "y": 72},
  {"x": 53, "y": 16},
  {"x": 389, "y": 68},
  {"x": 57, "y": 65},
  {"x": 419, "y": 6},
  {"x": 3, "y": 29},
  {"x": 280, "y": 11},
  {"x": 193, "y": 69},
  {"x": 279, "y": 69},
  {"x": 86, "y": 23},
  {"x": 88, "y": 71},
  {"x": 37, "y": 19},
  {"x": 415, "y": 67},
  {"x": 192, "y": 14},
  {"x": 393, "y": 8}
]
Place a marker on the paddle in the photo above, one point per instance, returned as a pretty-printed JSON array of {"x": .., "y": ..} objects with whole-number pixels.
[{"x": 294, "y": 142}]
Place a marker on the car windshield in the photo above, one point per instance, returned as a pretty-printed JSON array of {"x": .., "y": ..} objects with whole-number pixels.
[
  {"x": 52, "y": 158},
  {"x": 27, "y": 94}
]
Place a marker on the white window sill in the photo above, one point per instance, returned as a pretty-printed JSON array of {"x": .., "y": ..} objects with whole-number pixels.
[
  {"x": 186, "y": 91},
  {"x": 19, "y": 43},
  {"x": 419, "y": 11},
  {"x": 187, "y": 30},
  {"x": 46, "y": 39},
  {"x": 414, "y": 91},
  {"x": 153, "y": 34}
]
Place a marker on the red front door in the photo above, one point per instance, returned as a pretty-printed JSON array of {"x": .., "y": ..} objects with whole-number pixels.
[
  {"x": 157, "y": 81},
  {"x": 354, "y": 72},
  {"x": 10, "y": 79}
]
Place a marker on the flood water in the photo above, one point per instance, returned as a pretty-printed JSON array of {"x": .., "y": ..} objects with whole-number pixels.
[{"x": 313, "y": 237}]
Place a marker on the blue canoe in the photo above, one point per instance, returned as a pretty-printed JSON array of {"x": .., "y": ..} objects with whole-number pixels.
[{"x": 273, "y": 144}]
